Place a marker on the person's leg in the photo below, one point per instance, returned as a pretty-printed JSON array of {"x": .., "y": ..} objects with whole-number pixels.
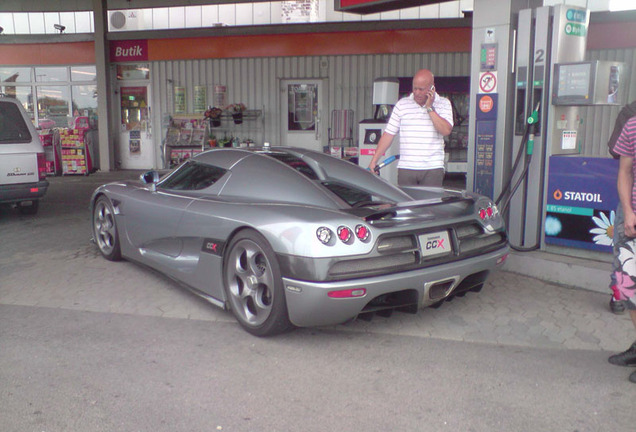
[
  {"x": 407, "y": 177},
  {"x": 628, "y": 357},
  {"x": 615, "y": 305},
  {"x": 434, "y": 177}
]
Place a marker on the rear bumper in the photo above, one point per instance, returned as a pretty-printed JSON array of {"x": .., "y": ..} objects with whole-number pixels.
[
  {"x": 309, "y": 305},
  {"x": 13, "y": 193}
]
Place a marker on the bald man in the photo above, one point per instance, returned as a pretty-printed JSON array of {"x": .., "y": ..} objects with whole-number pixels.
[{"x": 422, "y": 119}]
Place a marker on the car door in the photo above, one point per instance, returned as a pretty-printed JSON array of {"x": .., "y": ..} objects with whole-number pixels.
[{"x": 152, "y": 217}]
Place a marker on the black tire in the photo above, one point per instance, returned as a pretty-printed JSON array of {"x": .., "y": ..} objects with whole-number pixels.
[
  {"x": 254, "y": 286},
  {"x": 105, "y": 229},
  {"x": 29, "y": 209}
]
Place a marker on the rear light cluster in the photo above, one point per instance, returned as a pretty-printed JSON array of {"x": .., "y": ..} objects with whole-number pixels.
[
  {"x": 344, "y": 234},
  {"x": 488, "y": 212},
  {"x": 41, "y": 166}
]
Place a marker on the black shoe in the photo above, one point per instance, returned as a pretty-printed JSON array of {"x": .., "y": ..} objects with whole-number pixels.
[
  {"x": 632, "y": 377},
  {"x": 617, "y": 306},
  {"x": 626, "y": 358}
]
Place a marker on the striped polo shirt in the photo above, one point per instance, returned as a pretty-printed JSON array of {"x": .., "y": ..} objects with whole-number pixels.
[
  {"x": 421, "y": 146},
  {"x": 626, "y": 146}
]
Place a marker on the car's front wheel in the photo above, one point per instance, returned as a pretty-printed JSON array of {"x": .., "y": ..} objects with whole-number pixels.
[
  {"x": 254, "y": 286},
  {"x": 105, "y": 229}
]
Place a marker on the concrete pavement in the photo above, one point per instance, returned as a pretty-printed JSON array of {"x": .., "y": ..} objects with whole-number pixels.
[{"x": 47, "y": 261}]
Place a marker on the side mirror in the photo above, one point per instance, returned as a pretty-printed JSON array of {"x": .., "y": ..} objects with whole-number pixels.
[{"x": 149, "y": 177}]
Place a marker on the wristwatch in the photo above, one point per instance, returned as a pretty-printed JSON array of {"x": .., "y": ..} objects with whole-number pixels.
[{"x": 429, "y": 109}]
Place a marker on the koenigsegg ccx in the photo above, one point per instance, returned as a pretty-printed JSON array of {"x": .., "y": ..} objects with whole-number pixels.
[{"x": 289, "y": 237}]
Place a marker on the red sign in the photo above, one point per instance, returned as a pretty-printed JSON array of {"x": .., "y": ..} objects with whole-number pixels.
[
  {"x": 373, "y": 6},
  {"x": 485, "y": 104},
  {"x": 128, "y": 51}
]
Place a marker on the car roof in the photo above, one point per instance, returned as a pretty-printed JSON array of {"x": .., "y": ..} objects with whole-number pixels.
[{"x": 258, "y": 173}]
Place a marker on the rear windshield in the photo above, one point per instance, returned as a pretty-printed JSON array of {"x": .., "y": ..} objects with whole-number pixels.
[
  {"x": 12, "y": 127},
  {"x": 356, "y": 197}
]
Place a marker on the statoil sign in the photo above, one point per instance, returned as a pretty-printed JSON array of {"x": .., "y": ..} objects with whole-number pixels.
[{"x": 581, "y": 202}]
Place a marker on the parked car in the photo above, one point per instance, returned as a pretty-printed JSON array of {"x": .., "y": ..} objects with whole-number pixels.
[
  {"x": 22, "y": 160},
  {"x": 290, "y": 237}
]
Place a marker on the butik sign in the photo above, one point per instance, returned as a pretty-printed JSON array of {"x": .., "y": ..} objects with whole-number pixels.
[{"x": 128, "y": 51}]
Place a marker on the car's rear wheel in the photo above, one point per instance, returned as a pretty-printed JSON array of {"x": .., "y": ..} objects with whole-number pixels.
[
  {"x": 29, "y": 209},
  {"x": 105, "y": 229},
  {"x": 254, "y": 286}
]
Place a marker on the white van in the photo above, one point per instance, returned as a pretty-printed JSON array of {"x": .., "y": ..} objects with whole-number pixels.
[{"x": 22, "y": 161}]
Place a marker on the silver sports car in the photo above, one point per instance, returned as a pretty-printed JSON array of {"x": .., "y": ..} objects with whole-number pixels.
[{"x": 289, "y": 237}]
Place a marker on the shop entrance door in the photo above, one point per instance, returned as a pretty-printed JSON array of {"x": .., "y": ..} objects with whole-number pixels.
[
  {"x": 136, "y": 150},
  {"x": 302, "y": 107}
]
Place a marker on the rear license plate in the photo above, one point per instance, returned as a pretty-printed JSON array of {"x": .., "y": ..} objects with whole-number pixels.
[{"x": 434, "y": 244}]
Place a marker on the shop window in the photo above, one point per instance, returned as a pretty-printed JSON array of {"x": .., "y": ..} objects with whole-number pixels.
[
  {"x": 53, "y": 104},
  {"x": 83, "y": 73},
  {"x": 133, "y": 72},
  {"x": 51, "y": 74},
  {"x": 22, "y": 93},
  {"x": 302, "y": 106},
  {"x": 84, "y": 99},
  {"x": 15, "y": 75}
]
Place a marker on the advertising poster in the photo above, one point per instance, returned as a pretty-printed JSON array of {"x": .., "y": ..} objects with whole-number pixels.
[
  {"x": 134, "y": 143},
  {"x": 179, "y": 100},
  {"x": 220, "y": 92},
  {"x": 581, "y": 202},
  {"x": 200, "y": 99}
]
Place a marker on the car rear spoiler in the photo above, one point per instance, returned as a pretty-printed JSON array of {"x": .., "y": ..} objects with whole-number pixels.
[{"x": 391, "y": 211}]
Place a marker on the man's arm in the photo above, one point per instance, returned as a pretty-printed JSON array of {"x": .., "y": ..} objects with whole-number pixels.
[
  {"x": 441, "y": 125},
  {"x": 624, "y": 185},
  {"x": 383, "y": 145}
]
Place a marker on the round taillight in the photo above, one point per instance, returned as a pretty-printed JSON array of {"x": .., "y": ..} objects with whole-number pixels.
[
  {"x": 324, "y": 234},
  {"x": 489, "y": 211},
  {"x": 482, "y": 214},
  {"x": 344, "y": 234},
  {"x": 362, "y": 232}
]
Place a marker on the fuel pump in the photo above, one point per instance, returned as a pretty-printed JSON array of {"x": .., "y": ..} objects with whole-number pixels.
[
  {"x": 538, "y": 113},
  {"x": 385, "y": 96}
]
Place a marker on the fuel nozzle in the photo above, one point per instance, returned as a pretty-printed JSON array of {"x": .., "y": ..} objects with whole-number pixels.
[
  {"x": 532, "y": 123},
  {"x": 534, "y": 117},
  {"x": 385, "y": 162}
]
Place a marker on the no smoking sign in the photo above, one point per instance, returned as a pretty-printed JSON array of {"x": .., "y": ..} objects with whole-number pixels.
[{"x": 488, "y": 82}]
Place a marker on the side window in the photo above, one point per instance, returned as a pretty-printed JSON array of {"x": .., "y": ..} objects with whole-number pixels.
[
  {"x": 192, "y": 176},
  {"x": 12, "y": 126}
]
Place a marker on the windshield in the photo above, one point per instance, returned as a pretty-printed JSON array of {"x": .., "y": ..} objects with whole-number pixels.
[{"x": 192, "y": 176}]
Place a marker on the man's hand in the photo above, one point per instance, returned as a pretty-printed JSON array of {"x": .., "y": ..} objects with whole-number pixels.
[{"x": 372, "y": 166}]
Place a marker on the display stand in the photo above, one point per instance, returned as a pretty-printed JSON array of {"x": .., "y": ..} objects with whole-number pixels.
[
  {"x": 190, "y": 134},
  {"x": 248, "y": 131},
  {"x": 50, "y": 139},
  {"x": 186, "y": 136},
  {"x": 76, "y": 156}
]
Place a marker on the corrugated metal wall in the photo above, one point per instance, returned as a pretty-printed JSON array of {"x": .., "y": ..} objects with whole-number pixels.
[
  {"x": 599, "y": 121},
  {"x": 349, "y": 79},
  {"x": 256, "y": 81}
]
